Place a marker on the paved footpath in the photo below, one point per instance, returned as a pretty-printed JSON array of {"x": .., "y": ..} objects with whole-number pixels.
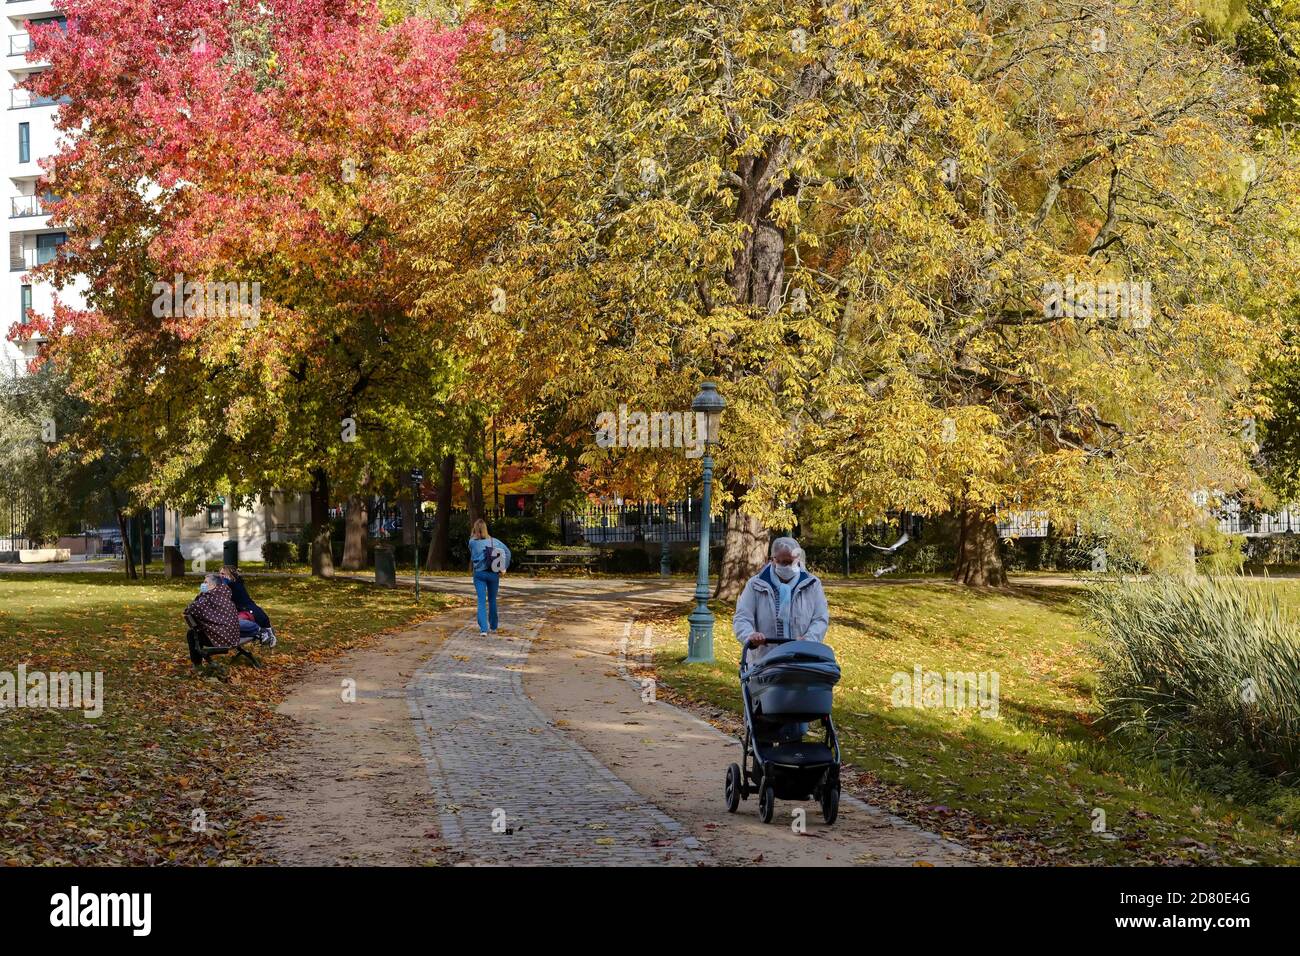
[
  {"x": 511, "y": 787},
  {"x": 531, "y": 747}
]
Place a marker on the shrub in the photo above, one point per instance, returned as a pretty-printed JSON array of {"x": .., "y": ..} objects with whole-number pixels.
[
  {"x": 525, "y": 534},
  {"x": 1206, "y": 667},
  {"x": 627, "y": 561},
  {"x": 278, "y": 554}
]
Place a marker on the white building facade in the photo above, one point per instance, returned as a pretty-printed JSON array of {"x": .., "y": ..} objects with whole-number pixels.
[
  {"x": 202, "y": 536},
  {"x": 29, "y": 136}
]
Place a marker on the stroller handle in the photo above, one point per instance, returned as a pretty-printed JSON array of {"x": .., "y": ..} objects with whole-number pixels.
[{"x": 744, "y": 648}]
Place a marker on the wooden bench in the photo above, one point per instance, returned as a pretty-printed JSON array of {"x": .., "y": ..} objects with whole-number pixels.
[{"x": 567, "y": 558}]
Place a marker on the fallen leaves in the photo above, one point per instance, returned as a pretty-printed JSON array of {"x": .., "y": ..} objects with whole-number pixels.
[{"x": 123, "y": 789}]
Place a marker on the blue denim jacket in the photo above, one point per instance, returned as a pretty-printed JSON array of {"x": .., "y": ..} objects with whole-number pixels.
[{"x": 477, "y": 546}]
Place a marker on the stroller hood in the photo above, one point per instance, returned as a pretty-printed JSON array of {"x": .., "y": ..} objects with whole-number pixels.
[
  {"x": 799, "y": 657},
  {"x": 794, "y": 679}
]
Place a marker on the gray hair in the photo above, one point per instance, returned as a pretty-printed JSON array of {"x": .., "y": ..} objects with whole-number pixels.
[
  {"x": 786, "y": 546},
  {"x": 211, "y": 578}
]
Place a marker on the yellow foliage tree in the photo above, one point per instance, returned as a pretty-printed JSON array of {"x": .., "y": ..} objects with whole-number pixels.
[{"x": 937, "y": 258}]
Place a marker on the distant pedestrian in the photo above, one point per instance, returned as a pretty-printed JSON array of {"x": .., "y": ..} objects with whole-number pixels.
[{"x": 488, "y": 557}]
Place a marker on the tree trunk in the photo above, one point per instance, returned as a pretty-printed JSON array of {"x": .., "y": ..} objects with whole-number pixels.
[
  {"x": 803, "y": 524},
  {"x": 757, "y": 279},
  {"x": 322, "y": 562},
  {"x": 440, "y": 547},
  {"x": 144, "y": 545},
  {"x": 476, "y": 497},
  {"x": 355, "y": 535},
  {"x": 745, "y": 553},
  {"x": 127, "y": 555},
  {"x": 408, "y": 521},
  {"x": 979, "y": 551}
]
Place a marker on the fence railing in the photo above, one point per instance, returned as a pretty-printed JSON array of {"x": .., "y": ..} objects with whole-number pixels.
[
  {"x": 1022, "y": 524},
  {"x": 26, "y": 206},
  {"x": 22, "y": 99},
  {"x": 1255, "y": 524},
  {"x": 629, "y": 523},
  {"x": 1231, "y": 520}
]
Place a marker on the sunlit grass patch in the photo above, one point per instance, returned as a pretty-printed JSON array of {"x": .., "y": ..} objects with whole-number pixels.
[
  {"x": 122, "y": 788},
  {"x": 1034, "y": 783}
]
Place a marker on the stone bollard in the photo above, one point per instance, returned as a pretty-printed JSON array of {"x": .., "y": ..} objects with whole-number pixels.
[{"x": 385, "y": 567}]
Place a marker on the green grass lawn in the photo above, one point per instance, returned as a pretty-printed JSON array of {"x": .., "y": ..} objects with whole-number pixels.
[
  {"x": 122, "y": 788},
  {"x": 1024, "y": 786}
]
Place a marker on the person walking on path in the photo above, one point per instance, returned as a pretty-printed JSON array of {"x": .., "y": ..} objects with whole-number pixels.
[
  {"x": 488, "y": 557},
  {"x": 786, "y": 601},
  {"x": 782, "y": 600}
]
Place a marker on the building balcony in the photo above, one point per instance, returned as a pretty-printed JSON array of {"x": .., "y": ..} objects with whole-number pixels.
[
  {"x": 25, "y": 99},
  {"x": 16, "y": 55},
  {"x": 25, "y": 8},
  {"x": 22, "y": 206}
]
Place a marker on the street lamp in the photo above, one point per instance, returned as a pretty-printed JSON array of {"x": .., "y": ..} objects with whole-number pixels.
[
  {"x": 417, "y": 479},
  {"x": 711, "y": 404}
]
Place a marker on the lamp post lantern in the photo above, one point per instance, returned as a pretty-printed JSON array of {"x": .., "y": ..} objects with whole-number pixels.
[{"x": 711, "y": 404}]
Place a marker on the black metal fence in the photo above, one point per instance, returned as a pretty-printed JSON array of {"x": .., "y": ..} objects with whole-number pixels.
[
  {"x": 633, "y": 522},
  {"x": 1233, "y": 520},
  {"x": 15, "y": 514}
]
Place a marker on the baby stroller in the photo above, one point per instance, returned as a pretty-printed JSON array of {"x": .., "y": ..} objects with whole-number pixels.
[{"x": 789, "y": 688}]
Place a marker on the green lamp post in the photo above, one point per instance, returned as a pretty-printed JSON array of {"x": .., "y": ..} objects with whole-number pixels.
[
  {"x": 711, "y": 404},
  {"x": 417, "y": 481}
]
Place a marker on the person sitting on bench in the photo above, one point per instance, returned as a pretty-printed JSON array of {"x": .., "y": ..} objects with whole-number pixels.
[
  {"x": 252, "y": 619},
  {"x": 215, "y": 612}
]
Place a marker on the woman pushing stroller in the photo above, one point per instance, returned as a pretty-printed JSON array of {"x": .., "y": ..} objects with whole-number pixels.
[
  {"x": 787, "y": 676},
  {"x": 782, "y": 601}
]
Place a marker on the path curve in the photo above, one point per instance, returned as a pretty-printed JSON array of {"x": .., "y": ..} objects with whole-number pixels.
[{"x": 532, "y": 747}]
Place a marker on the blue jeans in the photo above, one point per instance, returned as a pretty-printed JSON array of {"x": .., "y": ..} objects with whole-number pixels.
[{"x": 485, "y": 586}]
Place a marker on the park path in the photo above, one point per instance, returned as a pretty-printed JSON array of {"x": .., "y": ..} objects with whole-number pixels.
[{"x": 533, "y": 747}]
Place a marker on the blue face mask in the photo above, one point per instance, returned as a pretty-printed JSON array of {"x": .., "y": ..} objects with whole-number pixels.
[
  {"x": 786, "y": 572},
  {"x": 203, "y": 587}
]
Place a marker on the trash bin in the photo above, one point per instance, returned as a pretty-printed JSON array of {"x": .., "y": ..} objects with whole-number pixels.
[
  {"x": 173, "y": 562},
  {"x": 230, "y": 554},
  {"x": 385, "y": 567}
]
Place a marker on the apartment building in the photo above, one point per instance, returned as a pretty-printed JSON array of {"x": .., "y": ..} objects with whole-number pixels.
[{"x": 29, "y": 136}]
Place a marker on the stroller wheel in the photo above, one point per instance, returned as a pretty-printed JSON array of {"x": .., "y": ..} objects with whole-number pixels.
[
  {"x": 766, "y": 802},
  {"x": 733, "y": 788},
  {"x": 830, "y": 803}
]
